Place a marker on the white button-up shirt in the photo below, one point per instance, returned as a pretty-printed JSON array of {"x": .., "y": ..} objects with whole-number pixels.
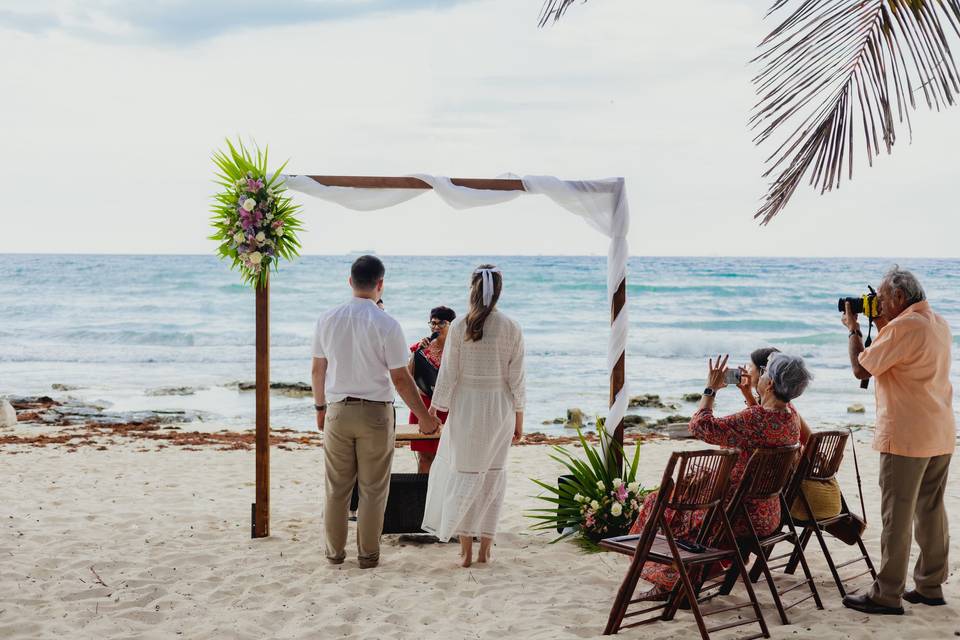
[{"x": 362, "y": 344}]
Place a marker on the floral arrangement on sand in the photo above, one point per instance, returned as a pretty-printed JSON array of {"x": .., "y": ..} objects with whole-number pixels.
[
  {"x": 254, "y": 222},
  {"x": 598, "y": 499}
]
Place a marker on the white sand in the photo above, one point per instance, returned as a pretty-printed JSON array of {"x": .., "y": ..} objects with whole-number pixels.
[{"x": 168, "y": 533}]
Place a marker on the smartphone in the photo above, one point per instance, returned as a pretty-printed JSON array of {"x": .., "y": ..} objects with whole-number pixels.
[{"x": 732, "y": 377}]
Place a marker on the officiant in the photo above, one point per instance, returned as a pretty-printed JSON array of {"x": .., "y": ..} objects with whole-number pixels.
[{"x": 424, "y": 365}]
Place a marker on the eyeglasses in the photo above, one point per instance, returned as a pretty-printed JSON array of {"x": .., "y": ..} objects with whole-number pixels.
[{"x": 437, "y": 323}]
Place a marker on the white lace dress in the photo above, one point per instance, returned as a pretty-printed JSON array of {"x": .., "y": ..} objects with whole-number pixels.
[{"x": 482, "y": 385}]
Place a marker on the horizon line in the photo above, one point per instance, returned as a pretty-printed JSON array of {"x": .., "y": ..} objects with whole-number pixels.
[{"x": 499, "y": 255}]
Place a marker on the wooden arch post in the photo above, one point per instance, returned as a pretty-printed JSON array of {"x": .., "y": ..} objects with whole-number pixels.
[{"x": 261, "y": 508}]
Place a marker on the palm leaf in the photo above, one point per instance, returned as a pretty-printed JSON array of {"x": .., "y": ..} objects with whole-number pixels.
[
  {"x": 836, "y": 70},
  {"x": 554, "y": 10}
]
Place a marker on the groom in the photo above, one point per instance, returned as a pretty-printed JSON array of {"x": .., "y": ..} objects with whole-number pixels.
[{"x": 358, "y": 351}]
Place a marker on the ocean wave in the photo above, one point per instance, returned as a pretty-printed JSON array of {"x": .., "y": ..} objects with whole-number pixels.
[
  {"x": 170, "y": 338},
  {"x": 747, "y": 324}
]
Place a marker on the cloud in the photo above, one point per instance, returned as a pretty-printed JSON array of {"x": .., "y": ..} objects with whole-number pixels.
[{"x": 190, "y": 21}]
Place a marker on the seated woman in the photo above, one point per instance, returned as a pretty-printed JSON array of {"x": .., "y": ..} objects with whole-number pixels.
[
  {"x": 769, "y": 423},
  {"x": 824, "y": 497},
  {"x": 432, "y": 348},
  {"x": 750, "y": 379}
]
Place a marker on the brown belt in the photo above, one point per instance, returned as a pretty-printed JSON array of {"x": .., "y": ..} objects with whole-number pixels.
[{"x": 364, "y": 400}]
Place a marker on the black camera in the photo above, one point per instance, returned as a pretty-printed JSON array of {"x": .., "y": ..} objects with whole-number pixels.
[{"x": 866, "y": 304}]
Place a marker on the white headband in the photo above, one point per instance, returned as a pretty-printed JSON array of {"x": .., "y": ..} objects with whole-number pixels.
[{"x": 487, "y": 275}]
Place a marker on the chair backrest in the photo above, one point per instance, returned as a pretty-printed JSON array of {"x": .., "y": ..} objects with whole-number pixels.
[
  {"x": 692, "y": 480},
  {"x": 768, "y": 474},
  {"x": 700, "y": 478},
  {"x": 821, "y": 460},
  {"x": 823, "y": 454}
]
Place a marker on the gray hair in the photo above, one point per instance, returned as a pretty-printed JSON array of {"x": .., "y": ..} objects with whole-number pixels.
[
  {"x": 907, "y": 283},
  {"x": 789, "y": 375}
]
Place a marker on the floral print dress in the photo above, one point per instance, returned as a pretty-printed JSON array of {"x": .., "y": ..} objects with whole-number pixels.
[{"x": 750, "y": 429}]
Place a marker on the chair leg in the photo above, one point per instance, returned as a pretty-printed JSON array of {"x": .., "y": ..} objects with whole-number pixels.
[
  {"x": 729, "y": 581},
  {"x": 866, "y": 557},
  {"x": 791, "y": 567},
  {"x": 757, "y": 570},
  {"x": 809, "y": 578},
  {"x": 765, "y": 569},
  {"x": 689, "y": 592},
  {"x": 829, "y": 559},
  {"x": 622, "y": 600},
  {"x": 738, "y": 563}
]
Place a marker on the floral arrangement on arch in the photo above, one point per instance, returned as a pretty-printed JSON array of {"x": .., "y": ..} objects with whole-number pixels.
[
  {"x": 597, "y": 499},
  {"x": 253, "y": 220}
]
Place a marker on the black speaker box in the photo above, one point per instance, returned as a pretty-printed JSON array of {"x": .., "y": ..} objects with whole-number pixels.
[{"x": 405, "y": 504}]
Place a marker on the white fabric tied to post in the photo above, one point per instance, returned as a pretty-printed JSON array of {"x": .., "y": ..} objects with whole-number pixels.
[
  {"x": 602, "y": 203},
  {"x": 487, "y": 275}
]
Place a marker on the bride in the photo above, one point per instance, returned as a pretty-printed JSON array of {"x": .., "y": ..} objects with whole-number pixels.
[{"x": 481, "y": 384}]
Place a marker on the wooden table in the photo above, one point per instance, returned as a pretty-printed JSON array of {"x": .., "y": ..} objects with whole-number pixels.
[{"x": 412, "y": 432}]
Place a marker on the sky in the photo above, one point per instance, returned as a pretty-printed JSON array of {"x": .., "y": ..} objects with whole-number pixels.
[{"x": 112, "y": 108}]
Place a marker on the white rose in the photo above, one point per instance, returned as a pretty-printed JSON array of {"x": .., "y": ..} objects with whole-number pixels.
[
  {"x": 616, "y": 509},
  {"x": 261, "y": 236},
  {"x": 269, "y": 192},
  {"x": 594, "y": 505},
  {"x": 278, "y": 231},
  {"x": 633, "y": 487},
  {"x": 601, "y": 486},
  {"x": 578, "y": 498},
  {"x": 255, "y": 258},
  {"x": 617, "y": 482},
  {"x": 238, "y": 237},
  {"x": 249, "y": 204}
]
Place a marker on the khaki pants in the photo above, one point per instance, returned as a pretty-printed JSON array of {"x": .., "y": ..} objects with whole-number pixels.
[
  {"x": 358, "y": 444},
  {"x": 912, "y": 495}
]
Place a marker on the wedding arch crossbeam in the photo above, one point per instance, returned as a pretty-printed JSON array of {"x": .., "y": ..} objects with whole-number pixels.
[{"x": 601, "y": 203}]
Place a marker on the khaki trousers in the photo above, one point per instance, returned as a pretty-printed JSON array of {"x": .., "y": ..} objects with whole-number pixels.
[
  {"x": 358, "y": 443},
  {"x": 912, "y": 495}
]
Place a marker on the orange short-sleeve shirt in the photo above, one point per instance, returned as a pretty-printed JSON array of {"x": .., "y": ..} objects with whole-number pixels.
[{"x": 910, "y": 360}]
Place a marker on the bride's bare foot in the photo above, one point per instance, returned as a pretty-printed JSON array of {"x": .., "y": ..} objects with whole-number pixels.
[
  {"x": 484, "y": 555},
  {"x": 466, "y": 551}
]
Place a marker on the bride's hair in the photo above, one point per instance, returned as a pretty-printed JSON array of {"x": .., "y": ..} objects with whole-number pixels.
[{"x": 478, "y": 313}]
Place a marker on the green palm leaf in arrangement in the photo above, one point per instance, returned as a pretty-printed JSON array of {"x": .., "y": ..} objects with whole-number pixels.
[
  {"x": 599, "y": 498},
  {"x": 838, "y": 75},
  {"x": 254, "y": 222}
]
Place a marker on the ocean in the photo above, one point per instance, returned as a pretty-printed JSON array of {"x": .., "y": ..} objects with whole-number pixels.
[{"x": 112, "y": 330}]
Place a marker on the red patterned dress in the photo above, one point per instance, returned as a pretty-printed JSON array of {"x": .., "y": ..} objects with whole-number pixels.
[
  {"x": 427, "y": 446},
  {"x": 750, "y": 429}
]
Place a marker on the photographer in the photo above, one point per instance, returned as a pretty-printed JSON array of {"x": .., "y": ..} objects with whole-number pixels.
[{"x": 915, "y": 435}]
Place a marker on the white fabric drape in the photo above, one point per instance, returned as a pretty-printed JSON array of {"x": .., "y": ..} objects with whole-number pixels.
[{"x": 602, "y": 203}]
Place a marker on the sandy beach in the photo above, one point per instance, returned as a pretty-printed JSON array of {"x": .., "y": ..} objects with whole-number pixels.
[{"x": 134, "y": 541}]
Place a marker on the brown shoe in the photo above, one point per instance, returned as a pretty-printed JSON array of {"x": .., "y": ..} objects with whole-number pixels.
[
  {"x": 915, "y": 597},
  {"x": 368, "y": 563},
  {"x": 866, "y": 605}
]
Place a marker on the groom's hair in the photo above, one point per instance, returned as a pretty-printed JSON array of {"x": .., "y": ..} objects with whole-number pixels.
[{"x": 366, "y": 272}]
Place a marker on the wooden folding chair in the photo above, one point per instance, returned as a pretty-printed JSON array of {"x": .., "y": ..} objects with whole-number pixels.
[
  {"x": 821, "y": 461},
  {"x": 767, "y": 476},
  {"x": 692, "y": 481}
]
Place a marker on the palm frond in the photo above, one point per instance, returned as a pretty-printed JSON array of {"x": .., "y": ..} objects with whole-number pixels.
[
  {"x": 554, "y": 10},
  {"x": 834, "y": 67}
]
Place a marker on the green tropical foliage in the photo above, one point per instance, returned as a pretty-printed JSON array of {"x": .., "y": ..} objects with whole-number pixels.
[
  {"x": 600, "y": 499},
  {"x": 254, "y": 222}
]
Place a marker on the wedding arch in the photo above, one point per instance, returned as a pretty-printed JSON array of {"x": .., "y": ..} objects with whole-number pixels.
[{"x": 601, "y": 203}]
